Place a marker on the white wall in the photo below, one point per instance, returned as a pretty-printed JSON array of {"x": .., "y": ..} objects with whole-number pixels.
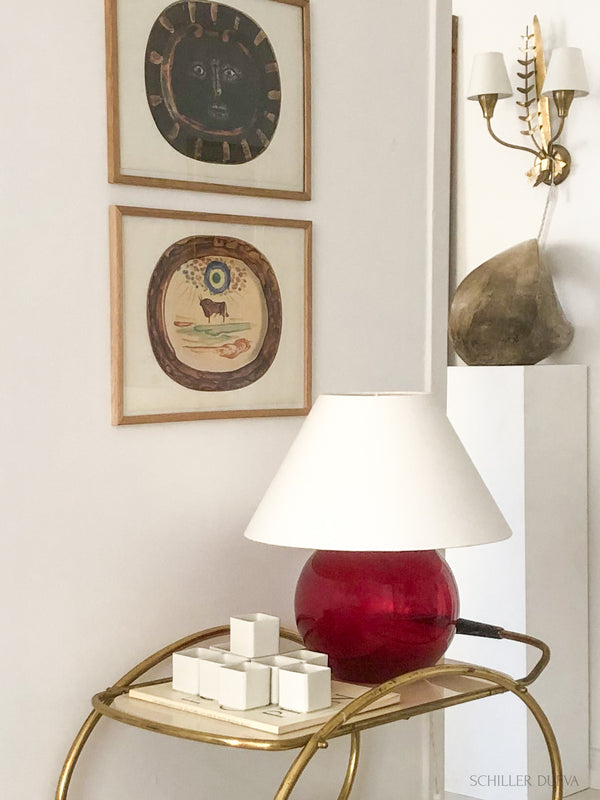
[
  {"x": 118, "y": 540},
  {"x": 497, "y": 208},
  {"x": 531, "y": 582}
]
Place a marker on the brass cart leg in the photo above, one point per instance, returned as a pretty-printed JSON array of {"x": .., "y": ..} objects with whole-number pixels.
[
  {"x": 330, "y": 728},
  {"x": 352, "y": 766},
  {"x": 304, "y": 757},
  {"x": 73, "y": 754},
  {"x": 550, "y": 739}
]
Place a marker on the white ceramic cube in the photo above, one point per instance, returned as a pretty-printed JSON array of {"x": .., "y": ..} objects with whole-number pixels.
[
  {"x": 310, "y": 657},
  {"x": 304, "y": 687},
  {"x": 186, "y": 676},
  {"x": 209, "y": 669},
  {"x": 244, "y": 686},
  {"x": 275, "y": 663},
  {"x": 284, "y": 646},
  {"x": 254, "y": 635}
]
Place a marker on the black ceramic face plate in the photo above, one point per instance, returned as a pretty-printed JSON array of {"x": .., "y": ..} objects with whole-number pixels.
[{"x": 212, "y": 82}]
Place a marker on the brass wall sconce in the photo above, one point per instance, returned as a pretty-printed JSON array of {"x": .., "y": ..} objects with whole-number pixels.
[{"x": 564, "y": 80}]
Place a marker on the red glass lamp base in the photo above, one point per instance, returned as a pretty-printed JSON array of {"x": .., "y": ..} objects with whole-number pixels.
[{"x": 376, "y": 615}]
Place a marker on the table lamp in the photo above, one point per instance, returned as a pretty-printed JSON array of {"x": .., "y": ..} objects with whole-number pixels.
[{"x": 376, "y": 483}]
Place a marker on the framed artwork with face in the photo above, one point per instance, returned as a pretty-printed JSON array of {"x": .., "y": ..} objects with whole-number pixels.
[
  {"x": 210, "y": 96},
  {"x": 211, "y": 315}
]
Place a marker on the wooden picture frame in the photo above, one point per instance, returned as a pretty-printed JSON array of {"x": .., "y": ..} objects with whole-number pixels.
[
  {"x": 210, "y": 96},
  {"x": 210, "y": 316}
]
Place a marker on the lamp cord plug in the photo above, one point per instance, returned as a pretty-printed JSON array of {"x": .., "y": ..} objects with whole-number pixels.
[{"x": 469, "y": 627}]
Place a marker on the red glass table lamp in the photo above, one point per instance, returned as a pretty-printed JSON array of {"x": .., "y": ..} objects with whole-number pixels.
[{"x": 376, "y": 484}]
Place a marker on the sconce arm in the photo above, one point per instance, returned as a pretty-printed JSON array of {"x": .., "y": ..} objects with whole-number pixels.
[
  {"x": 536, "y": 153},
  {"x": 558, "y": 133}
]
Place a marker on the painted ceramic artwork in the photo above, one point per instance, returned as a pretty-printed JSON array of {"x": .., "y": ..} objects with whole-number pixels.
[
  {"x": 214, "y": 313},
  {"x": 212, "y": 82}
]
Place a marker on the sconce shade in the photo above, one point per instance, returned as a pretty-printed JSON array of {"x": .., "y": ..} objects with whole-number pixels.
[
  {"x": 381, "y": 472},
  {"x": 566, "y": 72},
  {"x": 489, "y": 76}
]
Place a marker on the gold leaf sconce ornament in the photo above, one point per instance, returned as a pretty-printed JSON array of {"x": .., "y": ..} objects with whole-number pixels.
[{"x": 564, "y": 80}]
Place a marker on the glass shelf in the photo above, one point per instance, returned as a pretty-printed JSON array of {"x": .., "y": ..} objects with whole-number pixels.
[{"x": 416, "y": 698}]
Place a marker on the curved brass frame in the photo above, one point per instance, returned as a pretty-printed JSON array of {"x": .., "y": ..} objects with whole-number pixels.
[
  {"x": 320, "y": 739},
  {"x": 342, "y": 723},
  {"x": 124, "y": 684}
]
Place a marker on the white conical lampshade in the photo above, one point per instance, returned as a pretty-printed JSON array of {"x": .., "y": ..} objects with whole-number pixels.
[
  {"x": 380, "y": 472},
  {"x": 489, "y": 76},
  {"x": 566, "y": 72}
]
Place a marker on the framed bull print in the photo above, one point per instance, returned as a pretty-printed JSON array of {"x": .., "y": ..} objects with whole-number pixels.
[
  {"x": 210, "y": 316},
  {"x": 210, "y": 96}
]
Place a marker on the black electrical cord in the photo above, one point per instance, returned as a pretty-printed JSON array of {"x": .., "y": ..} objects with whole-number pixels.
[{"x": 469, "y": 627}]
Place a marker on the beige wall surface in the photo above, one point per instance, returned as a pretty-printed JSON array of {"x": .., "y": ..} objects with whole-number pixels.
[
  {"x": 497, "y": 207},
  {"x": 118, "y": 540}
]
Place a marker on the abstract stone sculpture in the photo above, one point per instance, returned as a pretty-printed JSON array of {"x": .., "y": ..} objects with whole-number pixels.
[{"x": 506, "y": 311}]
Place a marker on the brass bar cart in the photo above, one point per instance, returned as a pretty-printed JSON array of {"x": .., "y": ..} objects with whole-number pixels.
[{"x": 422, "y": 691}]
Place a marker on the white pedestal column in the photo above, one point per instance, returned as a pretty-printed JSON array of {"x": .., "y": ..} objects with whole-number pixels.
[{"x": 526, "y": 430}]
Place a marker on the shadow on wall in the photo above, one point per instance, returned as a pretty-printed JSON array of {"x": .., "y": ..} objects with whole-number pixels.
[{"x": 575, "y": 271}]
